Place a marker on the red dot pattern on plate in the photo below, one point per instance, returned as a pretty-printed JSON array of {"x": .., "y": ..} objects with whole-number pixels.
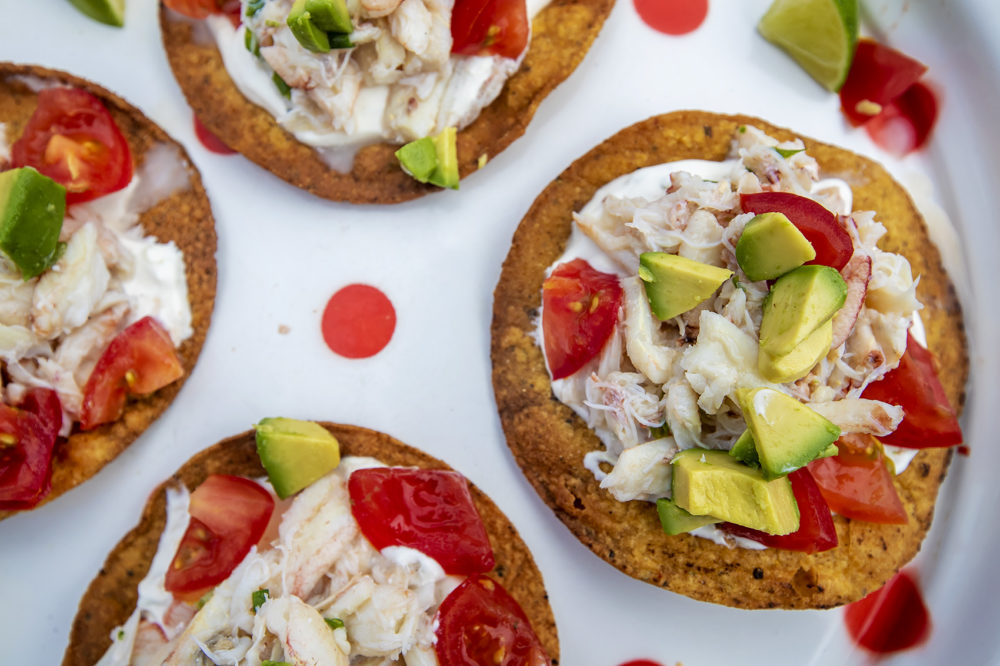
[
  {"x": 209, "y": 140},
  {"x": 673, "y": 17},
  {"x": 642, "y": 662},
  {"x": 905, "y": 124},
  {"x": 890, "y": 619},
  {"x": 358, "y": 321}
]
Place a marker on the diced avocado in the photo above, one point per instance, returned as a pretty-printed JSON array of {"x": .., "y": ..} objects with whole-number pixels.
[
  {"x": 798, "y": 303},
  {"x": 330, "y": 15},
  {"x": 32, "y": 208},
  {"x": 745, "y": 450},
  {"x": 446, "y": 147},
  {"x": 339, "y": 41},
  {"x": 797, "y": 363},
  {"x": 676, "y": 520},
  {"x": 786, "y": 433},
  {"x": 418, "y": 158},
  {"x": 709, "y": 482},
  {"x": 295, "y": 453},
  {"x": 432, "y": 159},
  {"x": 675, "y": 284},
  {"x": 770, "y": 246},
  {"x": 306, "y": 32}
]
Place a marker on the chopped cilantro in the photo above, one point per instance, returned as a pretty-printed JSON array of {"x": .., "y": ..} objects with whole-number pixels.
[
  {"x": 121, "y": 634},
  {"x": 334, "y": 622},
  {"x": 788, "y": 152},
  {"x": 737, "y": 283},
  {"x": 250, "y": 41},
  {"x": 659, "y": 431},
  {"x": 742, "y": 129},
  {"x": 282, "y": 86},
  {"x": 253, "y": 7},
  {"x": 259, "y": 597}
]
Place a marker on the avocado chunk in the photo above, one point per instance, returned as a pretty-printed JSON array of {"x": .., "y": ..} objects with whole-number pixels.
[
  {"x": 432, "y": 159},
  {"x": 418, "y": 158},
  {"x": 770, "y": 246},
  {"x": 32, "y": 208},
  {"x": 745, "y": 450},
  {"x": 330, "y": 15},
  {"x": 295, "y": 453},
  {"x": 305, "y": 30},
  {"x": 709, "y": 482},
  {"x": 798, "y": 303},
  {"x": 676, "y": 284},
  {"x": 676, "y": 520},
  {"x": 797, "y": 363},
  {"x": 786, "y": 433}
]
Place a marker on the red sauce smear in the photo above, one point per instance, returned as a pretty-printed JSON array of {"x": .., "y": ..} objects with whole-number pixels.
[
  {"x": 890, "y": 619},
  {"x": 673, "y": 17},
  {"x": 209, "y": 140},
  {"x": 358, "y": 321},
  {"x": 905, "y": 123}
]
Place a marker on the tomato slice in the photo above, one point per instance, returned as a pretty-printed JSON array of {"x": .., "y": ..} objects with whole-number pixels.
[
  {"x": 429, "y": 510},
  {"x": 856, "y": 482},
  {"x": 878, "y": 75},
  {"x": 816, "y": 531},
  {"x": 831, "y": 241},
  {"x": 228, "y": 515},
  {"x": 27, "y": 437},
  {"x": 480, "y": 624},
  {"x": 72, "y": 139},
  {"x": 579, "y": 313},
  {"x": 140, "y": 360},
  {"x": 489, "y": 27},
  {"x": 929, "y": 420},
  {"x": 906, "y": 122},
  {"x": 199, "y": 9}
]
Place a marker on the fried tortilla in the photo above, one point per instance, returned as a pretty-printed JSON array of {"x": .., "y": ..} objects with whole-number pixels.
[
  {"x": 185, "y": 218},
  {"x": 112, "y": 596},
  {"x": 560, "y": 36},
  {"x": 549, "y": 441}
]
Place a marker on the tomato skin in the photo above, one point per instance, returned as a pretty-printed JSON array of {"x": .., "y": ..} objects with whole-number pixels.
[
  {"x": 228, "y": 516},
  {"x": 429, "y": 510},
  {"x": 480, "y": 624},
  {"x": 489, "y": 27},
  {"x": 816, "y": 531},
  {"x": 140, "y": 360},
  {"x": 72, "y": 139},
  {"x": 196, "y": 9},
  {"x": 579, "y": 312},
  {"x": 929, "y": 420},
  {"x": 831, "y": 241},
  {"x": 26, "y": 462},
  {"x": 906, "y": 122},
  {"x": 878, "y": 74},
  {"x": 857, "y": 484}
]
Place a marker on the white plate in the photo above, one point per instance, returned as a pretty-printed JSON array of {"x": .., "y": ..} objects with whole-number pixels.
[{"x": 282, "y": 253}]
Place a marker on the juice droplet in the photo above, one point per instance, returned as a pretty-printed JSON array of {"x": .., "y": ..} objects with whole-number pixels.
[
  {"x": 358, "y": 321},
  {"x": 209, "y": 140},
  {"x": 890, "y": 619},
  {"x": 905, "y": 124},
  {"x": 673, "y": 17}
]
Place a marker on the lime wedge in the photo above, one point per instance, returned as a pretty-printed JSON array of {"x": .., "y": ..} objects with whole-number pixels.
[
  {"x": 820, "y": 34},
  {"x": 111, "y": 12}
]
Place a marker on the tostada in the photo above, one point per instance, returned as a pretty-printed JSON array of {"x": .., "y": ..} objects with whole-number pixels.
[{"x": 710, "y": 360}]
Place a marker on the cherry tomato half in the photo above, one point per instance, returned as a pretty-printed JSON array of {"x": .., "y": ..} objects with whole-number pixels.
[
  {"x": 929, "y": 420},
  {"x": 489, "y": 27},
  {"x": 480, "y": 624},
  {"x": 228, "y": 516},
  {"x": 27, "y": 437},
  {"x": 140, "y": 360},
  {"x": 429, "y": 510},
  {"x": 831, "y": 241},
  {"x": 72, "y": 139},
  {"x": 878, "y": 75},
  {"x": 579, "y": 312},
  {"x": 856, "y": 482},
  {"x": 816, "y": 531}
]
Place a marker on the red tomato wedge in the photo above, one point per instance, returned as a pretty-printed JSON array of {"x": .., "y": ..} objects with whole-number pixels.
[
  {"x": 816, "y": 531},
  {"x": 72, "y": 139},
  {"x": 489, "y": 27},
  {"x": 140, "y": 360},
  {"x": 856, "y": 482},
  {"x": 199, "y": 9},
  {"x": 228, "y": 516},
  {"x": 906, "y": 122},
  {"x": 27, "y": 437},
  {"x": 579, "y": 312},
  {"x": 429, "y": 510},
  {"x": 878, "y": 75},
  {"x": 480, "y": 624},
  {"x": 831, "y": 241},
  {"x": 929, "y": 420}
]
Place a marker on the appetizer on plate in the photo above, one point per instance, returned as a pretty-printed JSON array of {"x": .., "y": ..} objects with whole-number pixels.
[
  {"x": 316, "y": 543},
  {"x": 107, "y": 273},
  {"x": 709, "y": 360},
  {"x": 324, "y": 92}
]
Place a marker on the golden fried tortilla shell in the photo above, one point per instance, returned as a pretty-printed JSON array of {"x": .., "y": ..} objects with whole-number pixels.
[
  {"x": 561, "y": 35},
  {"x": 549, "y": 441},
  {"x": 184, "y": 217},
  {"x": 112, "y": 596}
]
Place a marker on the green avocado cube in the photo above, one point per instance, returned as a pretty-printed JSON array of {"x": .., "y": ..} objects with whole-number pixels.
[
  {"x": 798, "y": 303},
  {"x": 32, "y": 208},
  {"x": 676, "y": 284},
  {"x": 418, "y": 158},
  {"x": 295, "y": 453},
  {"x": 330, "y": 15},
  {"x": 446, "y": 148},
  {"x": 306, "y": 32},
  {"x": 770, "y": 246},
  {"x": 676, "y": 520}
]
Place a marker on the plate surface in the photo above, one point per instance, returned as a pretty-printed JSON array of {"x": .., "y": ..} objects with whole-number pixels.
[{"x": 283, "y": 253}]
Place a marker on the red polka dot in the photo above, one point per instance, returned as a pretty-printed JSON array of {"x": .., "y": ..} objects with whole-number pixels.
[
  {"x": 642, "y": 662},
  {"x": 673, "y": 17},
  {"x": 209, "y": 140},
  {"x": 358, "y": 321}
]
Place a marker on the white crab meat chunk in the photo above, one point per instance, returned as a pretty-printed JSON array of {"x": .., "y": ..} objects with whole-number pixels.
[
  {"x": 860, "y": 415},
  {"x": 892, "y": 288},
  {"x": 642, "y": 472},
  {"x": 645, "y": 343},
  {"x": 303, "y": 634}
]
